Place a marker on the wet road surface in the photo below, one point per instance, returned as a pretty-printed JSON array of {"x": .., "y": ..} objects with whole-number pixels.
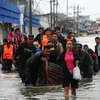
[{"x": 11, "y": 87}]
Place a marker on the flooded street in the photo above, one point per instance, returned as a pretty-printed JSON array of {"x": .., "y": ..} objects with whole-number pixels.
[{"x": 11, "y": 87}]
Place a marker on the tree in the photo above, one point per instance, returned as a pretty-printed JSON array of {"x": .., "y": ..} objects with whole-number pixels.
[{"x": 63, "y": 24}]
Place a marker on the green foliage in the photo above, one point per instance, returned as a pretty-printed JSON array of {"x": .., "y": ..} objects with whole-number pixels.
[{"x": 63, "y": 25}]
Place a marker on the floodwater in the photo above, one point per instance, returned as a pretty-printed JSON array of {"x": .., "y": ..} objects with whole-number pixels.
[{"x": 11, "y": 87}]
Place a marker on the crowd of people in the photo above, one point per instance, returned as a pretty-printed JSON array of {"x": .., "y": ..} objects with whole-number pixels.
[{"x": 27, "y": 53}]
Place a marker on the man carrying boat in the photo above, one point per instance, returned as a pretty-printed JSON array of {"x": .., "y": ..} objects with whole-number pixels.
[
  {"x": 60, "y": 37},
  {"x": 94, "y": 57},
  {"x": 39, "y": 36},
  {"x": 57, "y": 47},
  {"x": 24, "y": 51},
  {"x": 86, "y": 62},
  {"x": 33, "y": 64}
]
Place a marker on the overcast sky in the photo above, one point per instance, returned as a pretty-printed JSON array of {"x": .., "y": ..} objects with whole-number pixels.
[{"x": 92, "y": 7}]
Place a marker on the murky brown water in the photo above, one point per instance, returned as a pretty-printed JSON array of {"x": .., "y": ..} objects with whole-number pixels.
[{"x": 11, "y": 88}]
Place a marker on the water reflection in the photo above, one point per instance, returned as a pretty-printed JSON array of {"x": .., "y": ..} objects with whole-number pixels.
[
  {"x": 32, "y": 92},
  {"x": 11, "y": 87}
]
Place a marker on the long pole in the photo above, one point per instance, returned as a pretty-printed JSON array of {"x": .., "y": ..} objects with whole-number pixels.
[
  {"x": 74, "y": 19},
  {"x": 30, "y": 25},
  {"x": 67, "y": 12},
  {"x": 17, "y": 3},
  {"x": 67, "y": 7},
  {"x": 51, "y": 13},
  {"x": 54, "y": 13},
  {"x": 77, "y": 20},
  {"x": 24, "y": 18}
]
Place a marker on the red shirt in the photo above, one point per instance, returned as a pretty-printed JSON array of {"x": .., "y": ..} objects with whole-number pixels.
[{"x": 69, "y": 59}]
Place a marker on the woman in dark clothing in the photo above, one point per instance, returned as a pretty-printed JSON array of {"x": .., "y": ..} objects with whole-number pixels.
[{"x": 68, "y": 60}]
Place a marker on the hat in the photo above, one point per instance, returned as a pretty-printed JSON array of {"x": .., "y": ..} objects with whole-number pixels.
[
  {"x": 70, "y": 32},
  {"x": 36, "y": 44},
  {"x": 30, "y": 36},
  {"x": 76, "y": 45}
]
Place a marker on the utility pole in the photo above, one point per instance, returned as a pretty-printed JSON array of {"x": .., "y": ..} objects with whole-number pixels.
[
  {"x": 78, "y": 11},
  {"x": 54, "y": 13},
  {"x": 17, "y": 3},
  {"x": 51, "y": 13},
  {"x": 77, "y": 34},
  {"x": 30, "y": 25},
  {"x": 67, "y": 7},
  {"x": 24, "y": 17},
  {"x": 74, "y": 19},
  {"x": 67, "y": 12}
]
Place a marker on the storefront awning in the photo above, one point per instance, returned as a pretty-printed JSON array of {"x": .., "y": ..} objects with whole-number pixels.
[
  {"x": 35, "y": 20},
  {"x": 9, "y": 13}
]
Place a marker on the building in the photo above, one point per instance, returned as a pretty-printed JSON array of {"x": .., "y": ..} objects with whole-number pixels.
[
  {"x": 94, "y": 26},
  {"x": 23, "y": 5},
  {"x": 45, "y": 20},
  {"x": 9, "y": 14},
  {"x": 83, "y": 22},
  {"x": 98, "y": 23}
]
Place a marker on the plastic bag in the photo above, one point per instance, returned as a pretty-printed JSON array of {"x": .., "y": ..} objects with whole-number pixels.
[{"x": 76, "y": 73}]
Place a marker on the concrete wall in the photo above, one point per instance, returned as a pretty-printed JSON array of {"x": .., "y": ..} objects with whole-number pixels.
[
  {"x": 1, "y": 33},
  {"x": 6, "y": 28},
  {"x": 44, "y": 21},
  {"x": 34, "y": 31}
]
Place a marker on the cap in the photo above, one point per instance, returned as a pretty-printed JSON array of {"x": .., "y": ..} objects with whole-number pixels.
[
  {"x": 70, "y": 32},
  {"x": 30, "y": 36},
  {"x": 76, "y": 45}
]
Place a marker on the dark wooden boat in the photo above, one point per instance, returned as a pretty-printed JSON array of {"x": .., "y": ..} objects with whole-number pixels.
[{"x": 50, "y": 74}]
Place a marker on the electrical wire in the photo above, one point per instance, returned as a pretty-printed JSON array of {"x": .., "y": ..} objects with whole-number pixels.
[
  {"x": 62, "y": 2},
  {"x": 95, "y": 14},
  {"x": 37, "y": 5},
  {"x": 45, "y": 1}
]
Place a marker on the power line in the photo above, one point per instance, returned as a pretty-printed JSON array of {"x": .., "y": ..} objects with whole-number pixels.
[
  {"x": 95, "y": 14},
  {"x": 46, "y": 1},
  {"x": 62, "y": 2},
  {"x": 37, "y": 5}
]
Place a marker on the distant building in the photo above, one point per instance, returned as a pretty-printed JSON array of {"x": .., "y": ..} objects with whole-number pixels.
[
  {"x": 84, "y": 22},
  {"x": 94, "y": 25},
  {"x": 9, "y": 14},
  {"x": 23, "y": 5},
  {"x": 45, "y": 19},
  {"x": 98, "y": 23}
]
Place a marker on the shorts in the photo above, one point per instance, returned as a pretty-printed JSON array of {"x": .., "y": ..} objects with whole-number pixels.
[{"x": 68, "y": 81}]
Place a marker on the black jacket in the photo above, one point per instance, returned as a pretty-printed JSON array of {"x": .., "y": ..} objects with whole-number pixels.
[
  {"x": 62, "y": 41},
  {"x": 85, "y": 63},
  {"x": 24, "y": 52},
  {"x": 31, "y": 68},
  {"x": 38, "y": 38}
]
